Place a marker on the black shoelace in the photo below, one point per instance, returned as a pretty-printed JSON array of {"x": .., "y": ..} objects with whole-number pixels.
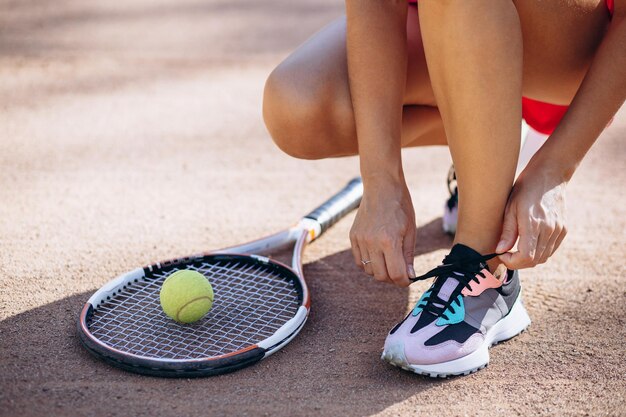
[{"x": 463, "y": 270}]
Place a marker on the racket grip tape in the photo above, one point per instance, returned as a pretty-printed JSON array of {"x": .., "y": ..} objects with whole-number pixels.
[{"x": 338, "y": 205}]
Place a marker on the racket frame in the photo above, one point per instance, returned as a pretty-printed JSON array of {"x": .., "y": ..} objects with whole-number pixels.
[{"x": 304, "y": 232}]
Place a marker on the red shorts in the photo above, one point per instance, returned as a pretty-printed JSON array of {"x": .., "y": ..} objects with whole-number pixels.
[{"x": 541, "y": 116}]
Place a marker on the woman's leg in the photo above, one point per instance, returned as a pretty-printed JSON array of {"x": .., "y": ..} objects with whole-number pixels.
[
  {"x": 308, "y": 111},
  {"x": 307, "y": 106},
  {"x": 474, "y": 52}
]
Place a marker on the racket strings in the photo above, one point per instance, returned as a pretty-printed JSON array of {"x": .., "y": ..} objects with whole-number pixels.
[{"x": 252, "y": 301}]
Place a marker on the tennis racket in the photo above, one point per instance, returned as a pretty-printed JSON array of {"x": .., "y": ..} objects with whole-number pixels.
[{"x": 260, "y": 304}]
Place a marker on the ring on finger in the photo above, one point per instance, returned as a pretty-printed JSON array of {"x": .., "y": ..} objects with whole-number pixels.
[{"x": 366, "y": 262}]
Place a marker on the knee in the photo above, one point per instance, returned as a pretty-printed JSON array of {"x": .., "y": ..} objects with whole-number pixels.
[{"x": 294, "y": 116}]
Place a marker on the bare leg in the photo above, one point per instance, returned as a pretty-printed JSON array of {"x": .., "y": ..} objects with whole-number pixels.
[
  {"x": 308, "y": 111},
  {"x": 307, "y": 106},
  {"x": 474, "y": 52}
]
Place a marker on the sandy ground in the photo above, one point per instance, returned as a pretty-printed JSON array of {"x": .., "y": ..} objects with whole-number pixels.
[{"x": 130, "y": 131}]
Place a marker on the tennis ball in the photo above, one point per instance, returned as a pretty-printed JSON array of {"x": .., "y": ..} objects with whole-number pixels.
[{"x": 186, "y": 296}]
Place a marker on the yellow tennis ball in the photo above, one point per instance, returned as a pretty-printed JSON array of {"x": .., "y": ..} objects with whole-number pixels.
[{"x": 186, "y": 296}]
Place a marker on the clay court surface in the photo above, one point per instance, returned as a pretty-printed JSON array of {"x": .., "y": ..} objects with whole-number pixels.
[{"x": 131, "y": 131}]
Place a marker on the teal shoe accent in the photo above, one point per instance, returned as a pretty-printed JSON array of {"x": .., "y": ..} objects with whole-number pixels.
[
  {"x": 420, "y": 304},
  {"x": 457, "y": 316}
]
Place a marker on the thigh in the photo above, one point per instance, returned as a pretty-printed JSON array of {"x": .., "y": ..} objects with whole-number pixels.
[
  {"x": 318, "y": 70},
  {"x": 560, "y": 40},
  {"x": 320, "y": 67}
]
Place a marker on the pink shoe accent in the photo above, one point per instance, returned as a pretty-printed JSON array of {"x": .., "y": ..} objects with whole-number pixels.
[{"x": 477, "y": 288}]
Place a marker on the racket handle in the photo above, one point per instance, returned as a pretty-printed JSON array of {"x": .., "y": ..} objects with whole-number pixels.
[{"x": 338, "y": 205}]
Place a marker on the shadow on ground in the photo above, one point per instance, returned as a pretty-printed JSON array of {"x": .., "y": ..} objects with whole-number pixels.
[
  {"x": 41, "y": 349},
  {"x": 106, "y": 105}
]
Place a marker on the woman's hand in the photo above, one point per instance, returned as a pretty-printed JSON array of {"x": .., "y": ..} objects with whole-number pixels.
[
  {"x": 535, "y": 213},
  {"x": 384, "y": 232},
  {"x": 536, "y": 207}
]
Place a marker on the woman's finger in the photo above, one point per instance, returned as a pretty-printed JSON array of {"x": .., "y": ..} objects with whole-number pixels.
[
  {"x": 543, "y": 241},
  {"x": 356, "y": 252},
  {"x": 408, "y": 250},
  {"x": 396, "y": 265},
  {"x": 366, "y": 260},
  {"x": 550, "y": 246},
  {"x": 526, "y": 248},
  {"x": 379, "y": 267},
  {"x": 559, "y": 239}
]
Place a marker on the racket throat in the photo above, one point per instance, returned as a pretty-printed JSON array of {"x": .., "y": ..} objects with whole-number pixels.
[{"x": 312, "y": 226}]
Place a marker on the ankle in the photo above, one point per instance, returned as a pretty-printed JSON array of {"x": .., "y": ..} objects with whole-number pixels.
[{"x": 481, "y": 246}]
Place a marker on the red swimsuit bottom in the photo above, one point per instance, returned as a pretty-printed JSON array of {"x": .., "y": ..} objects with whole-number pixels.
[{"x": 541, "y": 116}]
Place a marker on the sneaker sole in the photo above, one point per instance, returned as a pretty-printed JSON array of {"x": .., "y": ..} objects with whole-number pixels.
[{"x": 510, "y": 326}]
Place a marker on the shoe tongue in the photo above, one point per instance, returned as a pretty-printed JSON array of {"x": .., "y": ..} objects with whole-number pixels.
[
  {"x": 447, "y": 288},
  {"x": 459, "y": 252}
]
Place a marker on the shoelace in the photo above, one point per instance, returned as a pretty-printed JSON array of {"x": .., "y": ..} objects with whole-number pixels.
[{"x": 464, "y": 271}]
